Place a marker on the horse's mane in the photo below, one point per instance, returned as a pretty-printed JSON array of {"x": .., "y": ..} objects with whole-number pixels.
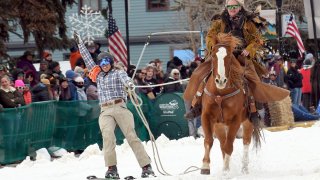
[{"x": 226, "y": 39}]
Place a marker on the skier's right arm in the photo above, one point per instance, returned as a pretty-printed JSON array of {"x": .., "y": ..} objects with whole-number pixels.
[{"x": 84, "y": 51}]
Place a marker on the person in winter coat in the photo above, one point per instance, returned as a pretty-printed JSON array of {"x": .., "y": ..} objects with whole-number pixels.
[
  {"x": 79, "y": 82},
  {"x": 306, "y": 84},
  {"x": 65, "y": 94},
  {"x": 26, "y": 62},
  {"x": 71, "y": 75},
  {"x": 40, "y": 91},
  {"x": 31, "y": 78},
  {"x": 111, "y": 85},
  {"x": 24, "y": 90},
  {"x": 91, "y": 90},
  {"x": 177, "y": 87},
  {"x": 294, "y": 80},
  {"x": 9, "y": 96},
  {"x": 240, "y": 23}
]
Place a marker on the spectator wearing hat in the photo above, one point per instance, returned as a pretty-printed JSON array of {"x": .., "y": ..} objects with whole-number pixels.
[
  {"x": 43, "y": 68},
  {"x": 71, "y": 75},
  {"x": 40, "y": 91},
  {"x": 54, "y": 68},
  {"x": 26, "y": 62},
  {"x": 272, "y": 79},
  {"x": 280, "y": 71},
  {"x": 79, "y": 83},
  {"x": 47, "y": 56},
  {"x": 294, "y": 80},
  {"x": 310, "y": 57},
  {"x": 306, "y": 83},
  {"x": 9, "y": 96},
  {"x": 3, "y": 70},
  {"x": 24, "y": 90}
]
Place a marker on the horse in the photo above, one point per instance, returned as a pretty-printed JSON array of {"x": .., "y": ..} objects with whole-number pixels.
[{"x": 224, "y": 105}]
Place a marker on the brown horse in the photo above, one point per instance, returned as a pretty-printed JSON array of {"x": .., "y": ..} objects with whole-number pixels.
[{"x": 224, "y": 107}]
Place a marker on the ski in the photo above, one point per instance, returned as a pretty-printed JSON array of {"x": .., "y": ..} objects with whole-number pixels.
[{"x": 97, "y": 178}]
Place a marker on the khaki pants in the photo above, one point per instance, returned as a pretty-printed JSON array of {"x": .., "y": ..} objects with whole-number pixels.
[{"x": 109, "y": 117}]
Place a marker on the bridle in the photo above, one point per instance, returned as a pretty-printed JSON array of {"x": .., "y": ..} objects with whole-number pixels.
[{"x": 219, "y": 98}]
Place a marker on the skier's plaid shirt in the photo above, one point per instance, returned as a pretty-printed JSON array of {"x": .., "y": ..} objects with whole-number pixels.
[{"x": 110, "y": 85}]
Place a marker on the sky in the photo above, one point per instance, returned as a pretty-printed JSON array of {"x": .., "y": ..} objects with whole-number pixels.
[{"x": 291, "y": 154}]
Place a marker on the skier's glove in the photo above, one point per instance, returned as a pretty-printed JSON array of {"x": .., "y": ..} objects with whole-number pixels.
[
  {"x": 131, "y": 86},
  {"x": 77, "y": 37}
]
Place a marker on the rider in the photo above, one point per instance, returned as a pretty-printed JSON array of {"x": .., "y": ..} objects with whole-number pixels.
[{"x": 241, "y": 24}]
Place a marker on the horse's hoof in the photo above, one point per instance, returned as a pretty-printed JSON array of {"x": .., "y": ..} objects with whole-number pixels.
[{"x": 205, "y": 171}]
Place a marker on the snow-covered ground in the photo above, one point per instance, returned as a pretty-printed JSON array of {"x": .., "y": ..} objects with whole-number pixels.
[{"x": 292, "y": 154}]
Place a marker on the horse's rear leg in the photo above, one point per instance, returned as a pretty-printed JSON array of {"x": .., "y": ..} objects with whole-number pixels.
[
  {"x": 208, "y": 141},
  {"x": 247, "y": 133},
  {"x": 228, "y": 145}
]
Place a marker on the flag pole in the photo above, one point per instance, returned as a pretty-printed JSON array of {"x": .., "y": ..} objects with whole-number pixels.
[
  {"x": 279, "y": 24},
  {"x": 127, "y": 32},
  {"x": 314, "y": 30}
]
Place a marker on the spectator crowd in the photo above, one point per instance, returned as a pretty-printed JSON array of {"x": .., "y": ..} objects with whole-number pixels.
[{"x": 24, "y": 84}]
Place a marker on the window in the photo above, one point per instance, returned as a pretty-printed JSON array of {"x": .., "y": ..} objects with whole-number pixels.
[
  {"x": 157, "y": 5},
  {"x": 93, "y": 4}
]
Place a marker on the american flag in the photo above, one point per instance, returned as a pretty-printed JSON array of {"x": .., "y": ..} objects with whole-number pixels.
[
  {"x": 117, "y": 47},
  {"x": 292, "y": 30}
]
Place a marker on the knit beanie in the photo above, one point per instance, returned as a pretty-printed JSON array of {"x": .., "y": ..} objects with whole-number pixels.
[
  {"x": 19, "y": 83},
  {"x": 70, "y": 74},
  {"x": 241, "y": 2},
  {"x": 53, "y": 65},
  {"x": 78, "y": 79},
  {"x": 308, "y": 56},
  {"x": 46, "y": 54}
]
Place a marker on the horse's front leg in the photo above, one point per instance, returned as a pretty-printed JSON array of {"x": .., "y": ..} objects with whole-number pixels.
[
  {"x": 228, "y": 146},
  {"x": 208, "y": 141},
  {"x": 247, "y": 133}
]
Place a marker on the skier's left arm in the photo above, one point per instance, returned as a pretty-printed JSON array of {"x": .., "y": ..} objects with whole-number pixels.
[
  {"x": 125, "y": 79},
  {"x": 86, "y": 56}
]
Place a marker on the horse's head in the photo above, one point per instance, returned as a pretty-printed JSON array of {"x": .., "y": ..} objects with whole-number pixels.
[{"x": 222, "y": 58}]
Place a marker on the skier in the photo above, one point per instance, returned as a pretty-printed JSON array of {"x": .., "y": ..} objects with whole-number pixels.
[{"x": 111, "y": 83}]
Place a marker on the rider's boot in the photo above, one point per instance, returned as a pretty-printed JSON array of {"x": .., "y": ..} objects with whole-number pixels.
[
  {"x": 192, "y": 111},
  {"x": 254, "y": 115}
]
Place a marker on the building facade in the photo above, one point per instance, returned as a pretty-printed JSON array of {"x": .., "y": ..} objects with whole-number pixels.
[{"x": 145, "y": 17}]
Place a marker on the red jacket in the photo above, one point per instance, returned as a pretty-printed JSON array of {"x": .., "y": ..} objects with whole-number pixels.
[
  {"x": 306, "y": 84},
  {"x": 27, "y": 97}
]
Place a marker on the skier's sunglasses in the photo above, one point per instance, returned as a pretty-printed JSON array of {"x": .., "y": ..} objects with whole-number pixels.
[
  {"x": 105, "y": 61},
  {"x": 231, "y": 7}
]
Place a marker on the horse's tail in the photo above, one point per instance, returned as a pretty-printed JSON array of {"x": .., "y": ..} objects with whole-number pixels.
[{"x": 257, "y": 134}]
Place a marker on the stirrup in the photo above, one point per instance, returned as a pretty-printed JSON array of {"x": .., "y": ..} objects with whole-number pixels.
[{"x": 254, "y": 116}]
